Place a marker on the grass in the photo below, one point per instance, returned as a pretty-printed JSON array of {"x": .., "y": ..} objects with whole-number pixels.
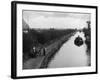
[{"x": 41, "y": 37}]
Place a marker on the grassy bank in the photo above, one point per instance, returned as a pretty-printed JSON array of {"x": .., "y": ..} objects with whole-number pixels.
[
  {"x": 87, "y": 33},
  {"x": 39, "y": 38},
  {"x": 50, "y": 39}
]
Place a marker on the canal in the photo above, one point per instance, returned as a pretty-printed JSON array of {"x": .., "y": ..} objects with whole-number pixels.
[{"x": 71, "y": 55}]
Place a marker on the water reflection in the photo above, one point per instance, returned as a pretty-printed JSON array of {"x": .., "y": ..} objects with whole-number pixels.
[{"x": 71, "y": 55}]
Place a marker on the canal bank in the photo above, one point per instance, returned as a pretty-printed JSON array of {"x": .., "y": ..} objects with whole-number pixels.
[{"x": 52, "y": 49}]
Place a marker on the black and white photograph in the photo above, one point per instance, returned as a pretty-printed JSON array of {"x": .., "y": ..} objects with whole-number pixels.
[
  {"x": 56, "y": 39},
  {"x": 53, "y": 39}
]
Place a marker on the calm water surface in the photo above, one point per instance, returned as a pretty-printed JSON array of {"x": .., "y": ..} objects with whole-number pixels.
[{"x": 70, "y": 55}]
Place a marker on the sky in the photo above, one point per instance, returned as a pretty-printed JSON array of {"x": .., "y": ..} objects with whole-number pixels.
[{"x": 58, "y": 20}]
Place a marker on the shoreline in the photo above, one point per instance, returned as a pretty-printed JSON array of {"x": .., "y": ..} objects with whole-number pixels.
[
  {"x": 51, "y": 49},
  {"x": 54, "y": 49}
]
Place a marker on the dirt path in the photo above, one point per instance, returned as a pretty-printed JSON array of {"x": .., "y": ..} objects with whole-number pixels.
[{"x": 33, "y": 63}]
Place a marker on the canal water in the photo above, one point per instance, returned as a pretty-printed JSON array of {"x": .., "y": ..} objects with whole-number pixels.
[{"x": 71, "y": 55}]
